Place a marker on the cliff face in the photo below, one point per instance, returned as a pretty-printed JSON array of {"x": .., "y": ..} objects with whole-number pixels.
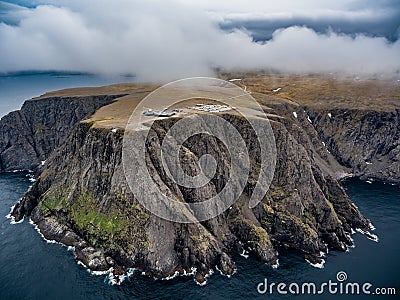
[
  {"x": 83, "y": 200},
  {"x": 366, "y": 142},
  {"x": 29, "y": 136}
]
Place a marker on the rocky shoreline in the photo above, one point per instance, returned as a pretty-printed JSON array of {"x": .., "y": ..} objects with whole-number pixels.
[{"x": 81, "y": 198}]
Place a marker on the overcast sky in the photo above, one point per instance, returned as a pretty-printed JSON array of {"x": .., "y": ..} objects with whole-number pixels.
[{"x": 165, "y": 40}]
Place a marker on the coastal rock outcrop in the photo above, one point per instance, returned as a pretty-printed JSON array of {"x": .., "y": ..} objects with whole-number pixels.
[
  {"x": 84, "y": 187},
  {"x": 367, "y": 142},
  {"x": 28, "y": 136},
  {"x": 82, "y": 197}
]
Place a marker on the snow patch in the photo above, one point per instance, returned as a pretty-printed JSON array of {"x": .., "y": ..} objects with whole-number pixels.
[
  {"x": 295, "y": 114},
  {"x": 277, "y": 90}
]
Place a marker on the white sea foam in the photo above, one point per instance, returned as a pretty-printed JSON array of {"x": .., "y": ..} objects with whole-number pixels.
[
  {"x": 351, "y": 239},
  {"x": 193, "y": 271},
  {"x": 244, "y": 254},
  {"x": 49, "y": 241},
  {"x": 99, "y": 273},
  {"x": 368, "y": 235},
  {"x": 229, "y": 276},
  {"x": 96, "y": 273},
  {"x": 219, "y": 271},
  {"x": 19, "y": 222},
  {"x": 276, "y": 264},
  {"x": 9, "y": 216},
  {"x": 111, "y": 278},
  {"x": 205, "y": 278},
  {"x": 171, "y": 276},
  {"x": 200, "y": 283},
  {"x": 117, "y": 279},
  {"x": 371, "y": 226},
  {"x": 317, "y": 265}
]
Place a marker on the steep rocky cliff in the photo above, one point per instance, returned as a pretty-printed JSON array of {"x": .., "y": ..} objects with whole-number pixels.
[
  {"x": 28, "y": 136},
  {"x": 367, "y": 142},
  {"x": 83, "y": 200}
]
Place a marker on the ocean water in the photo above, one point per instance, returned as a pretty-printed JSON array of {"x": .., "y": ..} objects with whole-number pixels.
[{"x": 31, "y": 268}]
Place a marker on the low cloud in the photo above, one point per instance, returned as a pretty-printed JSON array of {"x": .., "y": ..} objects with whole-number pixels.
[
  {"x": 164, "y": 40},
  {"x": 373, "y": 23}
]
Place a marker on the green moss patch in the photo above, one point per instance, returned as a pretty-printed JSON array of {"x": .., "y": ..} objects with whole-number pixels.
[{"x": 86, "y": 216}]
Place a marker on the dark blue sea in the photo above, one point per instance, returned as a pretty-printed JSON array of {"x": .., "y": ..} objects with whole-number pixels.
[{"x": 31, "y": 268}]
